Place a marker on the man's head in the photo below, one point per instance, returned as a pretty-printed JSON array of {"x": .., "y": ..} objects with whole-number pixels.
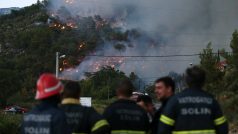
[
  {"x": 72, "y": 90},
  {"x": 125, "y": 89},
  {"x": 195, "y": 77},
  {"x": 164, "y": 88},
  {"x": 146, "y": 103}
]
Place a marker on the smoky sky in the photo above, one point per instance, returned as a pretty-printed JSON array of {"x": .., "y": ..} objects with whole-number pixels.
[{"x": 177, "y": 26}]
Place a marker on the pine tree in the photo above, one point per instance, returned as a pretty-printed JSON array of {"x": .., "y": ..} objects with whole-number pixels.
[
  {"x": 234, "y": 47},
  {"x": 209, "y": 62}
]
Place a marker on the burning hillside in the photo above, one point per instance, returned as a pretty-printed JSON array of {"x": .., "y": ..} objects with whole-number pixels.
[{"x": 145, "y": 28}]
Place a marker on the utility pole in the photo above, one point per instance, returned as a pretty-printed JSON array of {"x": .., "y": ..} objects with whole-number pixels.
[
  {"x": 57, "y": 65},
  {"x": 58, "y": 56},
  {"x": 108, "y": 92}
]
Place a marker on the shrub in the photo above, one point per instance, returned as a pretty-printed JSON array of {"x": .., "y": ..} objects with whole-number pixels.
[{"x": 10, "y": 123}]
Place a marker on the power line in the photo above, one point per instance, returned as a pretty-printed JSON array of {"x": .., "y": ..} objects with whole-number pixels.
[
  {"x": 145, "y": 60},
  {"x": 180, "y": 45},
  {"x": 145, "y": 56},
  {"x": 142, "y": 60},
  {"x": 187, "y": 33},
  {"x": 150, "y": 56}
]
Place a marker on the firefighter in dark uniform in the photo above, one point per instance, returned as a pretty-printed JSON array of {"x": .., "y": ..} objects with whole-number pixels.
[
  {"x": 46, "y": 118},
  {"x": 164, "y": 89},
  {"x": 124, "y": 115},
  {"x": 146, "y": 103},
  {"x": 81, "y": 119},
  {"x": 193, "y": 111}
]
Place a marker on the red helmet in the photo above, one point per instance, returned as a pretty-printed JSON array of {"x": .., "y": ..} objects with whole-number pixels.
[{"x": 48, "y": 85}]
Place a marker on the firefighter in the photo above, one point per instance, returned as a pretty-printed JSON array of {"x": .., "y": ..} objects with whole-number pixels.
[
  {"x": 164, "y": 89},
  {"x": 146, "y": 103},
  {"x": 46, "y": 118},
  {"x": 193, "y": 111},
  {"x": 124, "y": 115},
  {"x": 81, "y": 119}
]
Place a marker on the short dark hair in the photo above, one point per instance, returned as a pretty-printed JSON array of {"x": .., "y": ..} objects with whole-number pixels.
[
  {"x": 125, "y": 88},
  {"x": 195, "y": 77},
  {"x": 145, "y": 98},
  {"x": 168, "y": 82},
  {"x": 71, "y": 90}
]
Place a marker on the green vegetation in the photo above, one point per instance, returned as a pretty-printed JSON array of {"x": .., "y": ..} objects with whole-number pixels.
[
  {"x": 222, "y": 80},
  {"x": 102, "y": 84},
  {"x": 10, "y": 124}
]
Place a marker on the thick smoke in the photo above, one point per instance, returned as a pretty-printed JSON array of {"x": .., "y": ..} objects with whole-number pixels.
[{"x": 177, "y": 27}]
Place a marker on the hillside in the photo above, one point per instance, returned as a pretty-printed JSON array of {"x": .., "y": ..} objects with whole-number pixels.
[{"x": 29, "y": 39}]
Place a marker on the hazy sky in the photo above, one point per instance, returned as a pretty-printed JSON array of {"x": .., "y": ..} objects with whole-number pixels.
[{"x": 16, "y": 3}]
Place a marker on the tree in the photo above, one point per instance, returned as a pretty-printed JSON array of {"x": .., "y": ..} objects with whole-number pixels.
[
  {"x": 209, "y": 62},
  {"x": 230, "y": 97},
  {"x": 234, "y": 47},
  {"x": 102, "y": 84},
  {"x": 232, "y": 70},
  {"x": 223, "y": 84},
  {"x": 120, "y": 47},
  {"x": 133, "y": 76}
]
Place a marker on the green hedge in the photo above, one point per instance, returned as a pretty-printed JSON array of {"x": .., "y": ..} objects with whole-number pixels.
[{"x": 10, "y": 123}]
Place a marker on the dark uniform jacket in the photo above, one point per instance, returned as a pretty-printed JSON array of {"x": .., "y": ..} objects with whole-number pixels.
[
  {"x": 192, "y": 111},
  {"x": 83, "y": 120},
  {"x": 126, "y": 117},
  {"x": 155, "y": 121},
  {"x": 45, "y": 118}
]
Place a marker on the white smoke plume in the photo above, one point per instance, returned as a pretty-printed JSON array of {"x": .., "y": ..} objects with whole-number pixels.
[{"x": 179, "y": 27}]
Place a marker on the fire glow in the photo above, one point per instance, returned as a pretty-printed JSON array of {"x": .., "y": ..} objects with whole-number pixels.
[
  {"x": 69, "y": 1},
  {"x": 63, "y": 26},
  {"x": 81, "y": 45},
  {"x": 107, "y": 62}
]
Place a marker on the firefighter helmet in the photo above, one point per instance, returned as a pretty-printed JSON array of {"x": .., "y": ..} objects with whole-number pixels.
[{"x": 48, "y": 85}]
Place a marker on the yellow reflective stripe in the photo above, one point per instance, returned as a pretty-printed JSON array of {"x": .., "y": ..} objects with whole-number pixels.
[
  {"x": 127, "y": 132},
  {"x": 99, "y": 124},
  {"x": 79, "y": 133},
  {"x": 195, "y": 132},
  {"x": 220, "y": 120},
  {"x": 70, "y": 101},
  {"x": 167, "y": 120}
]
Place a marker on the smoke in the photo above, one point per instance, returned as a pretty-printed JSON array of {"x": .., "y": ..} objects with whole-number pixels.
[{"x": 170, "y": 27}]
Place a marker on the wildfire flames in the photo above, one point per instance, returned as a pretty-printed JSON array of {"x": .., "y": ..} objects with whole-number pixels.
[
  {"x": 63, "y": 26},
  {"x": 71, "y": 24},
  {"x": 81, "y": 45},
  {"x": 108, "y": 61},
  {"x": 54, "y": 22},
  {"x": 112, "y": 62}
]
